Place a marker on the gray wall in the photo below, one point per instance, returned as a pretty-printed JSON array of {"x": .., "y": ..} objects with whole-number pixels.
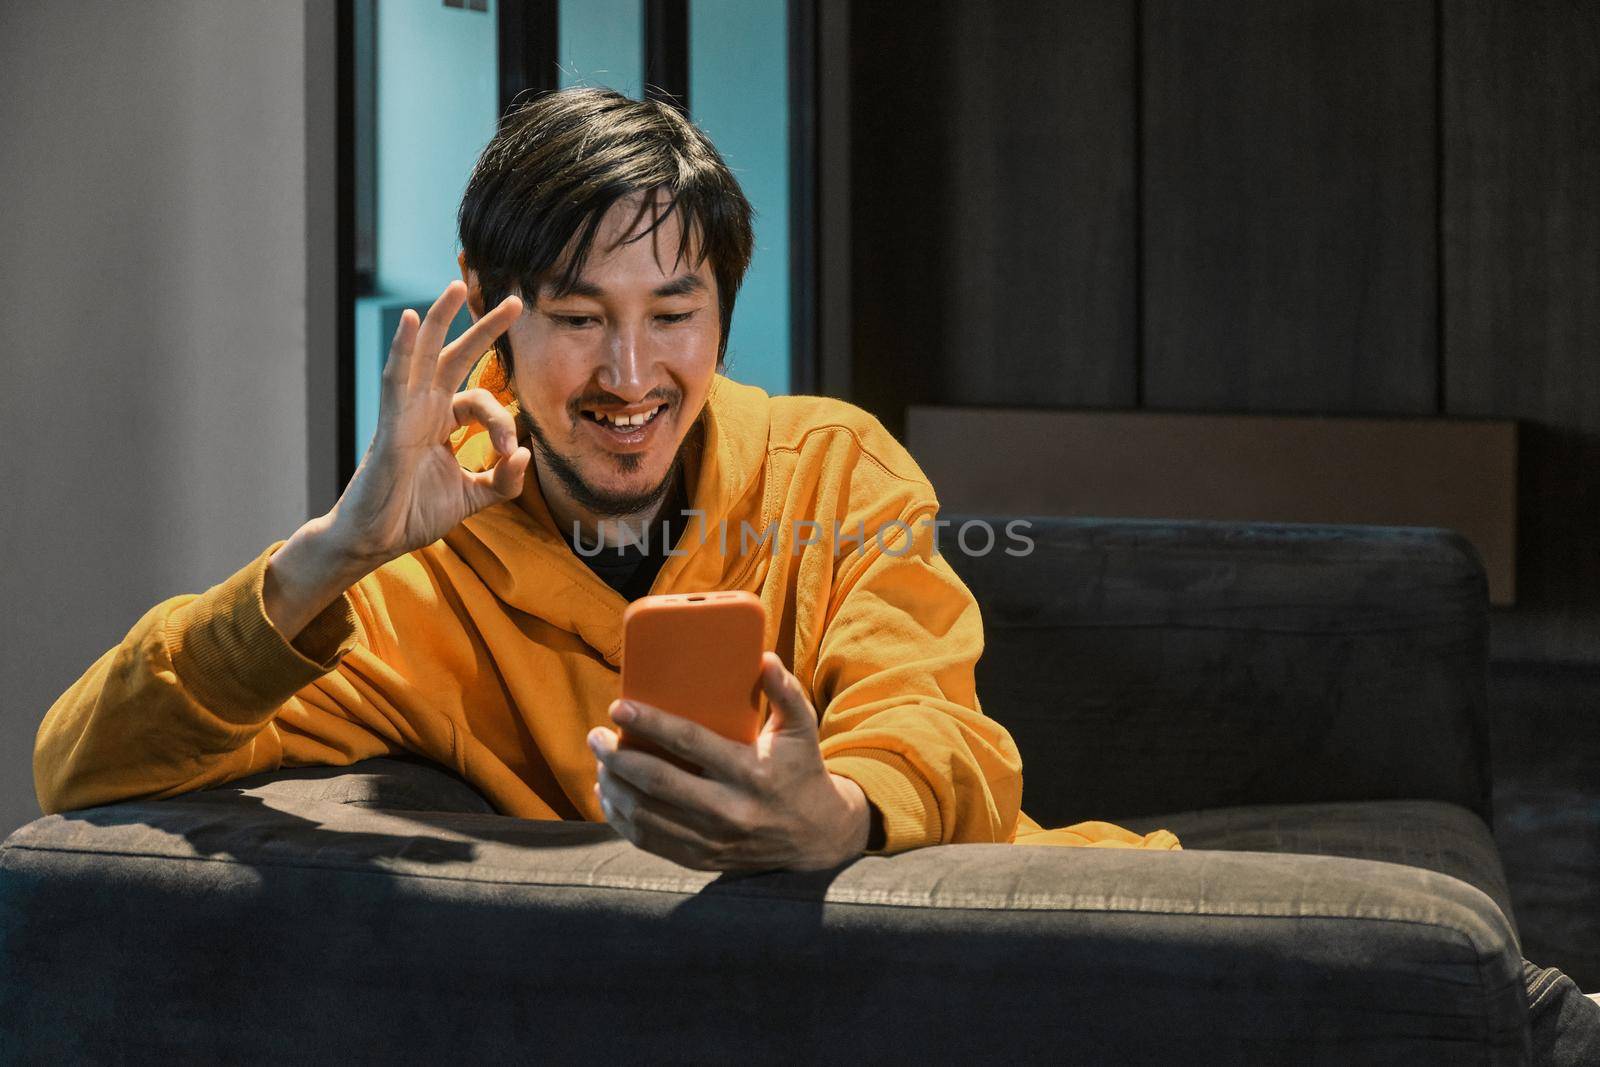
[{"x": 154, "y": 263}]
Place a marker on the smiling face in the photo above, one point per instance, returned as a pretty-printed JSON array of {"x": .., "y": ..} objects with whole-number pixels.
[{"x": 612, "y": 377}]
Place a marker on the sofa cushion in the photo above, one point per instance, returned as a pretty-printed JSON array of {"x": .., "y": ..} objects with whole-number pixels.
[
  {"x": 1146, "y": 666},
  {"x": 235, "y": 926},
  {"x": 1430, "y": 834}
]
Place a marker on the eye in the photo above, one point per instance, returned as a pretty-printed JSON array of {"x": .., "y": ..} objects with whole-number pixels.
[
  {"x": 574, "y": 321},
  {"x": 672, "y": 319}
]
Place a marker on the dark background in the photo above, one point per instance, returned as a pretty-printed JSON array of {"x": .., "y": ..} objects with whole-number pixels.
[{"x": 1345, "y": 207}]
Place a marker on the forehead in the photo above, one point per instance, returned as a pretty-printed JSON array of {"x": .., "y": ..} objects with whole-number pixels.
[{"x": 619, "y": 252}]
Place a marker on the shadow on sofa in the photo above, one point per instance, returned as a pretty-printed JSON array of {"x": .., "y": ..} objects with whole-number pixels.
[{"x": 1303, "y": 706}]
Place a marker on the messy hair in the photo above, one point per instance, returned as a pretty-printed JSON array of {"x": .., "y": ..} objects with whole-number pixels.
[{"x": 558, "y": 164}]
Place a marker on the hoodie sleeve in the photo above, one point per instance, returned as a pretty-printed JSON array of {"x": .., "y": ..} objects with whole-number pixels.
[
  {"x": 899, "y": 711},
  {"x": 203, "y": 690}
]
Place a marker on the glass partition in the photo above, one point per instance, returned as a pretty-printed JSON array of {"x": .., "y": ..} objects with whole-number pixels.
[{"x": 427, "y": 98}]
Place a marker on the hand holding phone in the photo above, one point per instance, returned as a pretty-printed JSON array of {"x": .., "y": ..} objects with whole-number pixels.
[
  {"x": 771, "y": 805},
  {"x": 697, "y": 655}
]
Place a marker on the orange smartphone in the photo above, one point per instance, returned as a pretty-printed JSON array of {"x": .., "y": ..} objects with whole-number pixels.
[{"x": 697, "y": 655}]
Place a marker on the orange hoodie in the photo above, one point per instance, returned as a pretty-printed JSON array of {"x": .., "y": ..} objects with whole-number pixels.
[{"x": 495, "y": 650}]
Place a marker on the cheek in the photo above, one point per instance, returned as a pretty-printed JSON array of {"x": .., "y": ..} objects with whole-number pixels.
[
  {"x": 549, "y": 371},
  {"x": 694, "y": 352}
]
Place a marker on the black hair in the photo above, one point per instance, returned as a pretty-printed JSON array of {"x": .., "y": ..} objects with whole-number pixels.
[{"x": 559, "y": 163}]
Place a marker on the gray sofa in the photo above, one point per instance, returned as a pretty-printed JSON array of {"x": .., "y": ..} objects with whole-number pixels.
[{"x": 1302, "y": 705}]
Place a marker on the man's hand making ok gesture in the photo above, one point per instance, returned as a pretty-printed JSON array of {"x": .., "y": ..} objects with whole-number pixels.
[{"x": 410, "y": 490}]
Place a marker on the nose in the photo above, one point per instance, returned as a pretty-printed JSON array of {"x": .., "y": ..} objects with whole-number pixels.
[{"x": 622, "y": 371}]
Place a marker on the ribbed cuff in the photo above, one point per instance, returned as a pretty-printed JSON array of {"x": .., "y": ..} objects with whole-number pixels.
[
  {"x": 229, "y": 655},
  {"x": 910, "y": 810}
]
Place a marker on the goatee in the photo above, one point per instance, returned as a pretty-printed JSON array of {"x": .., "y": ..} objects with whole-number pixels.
[{"x": 598, "y": 501}]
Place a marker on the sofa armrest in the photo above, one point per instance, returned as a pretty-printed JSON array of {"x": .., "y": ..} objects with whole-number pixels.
[
  {"x": 240, "y": 926},
  {"x": 1150, "y": 666},
  {"x": 402, "y": 782}
]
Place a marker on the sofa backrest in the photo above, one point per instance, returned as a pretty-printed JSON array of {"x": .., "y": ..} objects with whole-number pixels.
[{"x": 1149, "y": 667}]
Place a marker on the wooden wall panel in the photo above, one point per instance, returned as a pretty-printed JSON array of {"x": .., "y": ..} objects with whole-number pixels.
[
  {"x": 1039, "y": 284},
  {"x": 1289, "y": 205},
  {"x": 1459, "y": 474},
  {"x": 897, "y": 319},
  {"x": 993, "y": 175},
  {"x": 1521, "y": 238}
]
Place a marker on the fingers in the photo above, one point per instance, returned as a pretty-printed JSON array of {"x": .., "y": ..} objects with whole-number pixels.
[
  {"x": 397, "y": 368},
  {"x": 457, "y": 359},
  {"x": 659, "y": 819},
  {"x": 705, "y": 804},
  {"x": 722, "y": 760},
  {"x": 480, "y": 406},
  {"x": 430, "y": 337},
  {"x": 501, "y": 482},
  {"x": 507, "y": 476},
  {"x": 504, "y": 480},
  {"x": 708, "y": 802}
]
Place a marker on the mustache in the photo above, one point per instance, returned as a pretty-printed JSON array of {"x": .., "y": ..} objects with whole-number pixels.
[{"x": 660, "y": 394}]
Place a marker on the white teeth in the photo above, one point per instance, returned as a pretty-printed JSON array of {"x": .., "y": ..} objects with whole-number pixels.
[{"x": 630, "y": 420}]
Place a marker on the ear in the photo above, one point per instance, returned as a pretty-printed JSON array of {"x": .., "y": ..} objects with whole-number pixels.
[{"x": 474, "y": 293}]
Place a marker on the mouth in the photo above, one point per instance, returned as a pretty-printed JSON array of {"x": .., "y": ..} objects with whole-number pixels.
[{"x": 626, "y": 430}]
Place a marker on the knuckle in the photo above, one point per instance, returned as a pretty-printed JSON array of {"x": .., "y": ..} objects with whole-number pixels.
[
  {"x": 761, "y": 778},
  {"x": 740, "y": 819},
  {"x": 679, "y": 737}
]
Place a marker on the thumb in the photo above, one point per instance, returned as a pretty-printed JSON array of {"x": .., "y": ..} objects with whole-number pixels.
[
  {"x": 792, "y": 712},
  {"x": 503, "y": 481}
]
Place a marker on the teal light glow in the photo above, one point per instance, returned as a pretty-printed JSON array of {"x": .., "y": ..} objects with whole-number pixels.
[
  {"x": 437, "y": 102},
  {"x": 739, "y": 94},
  {"x": 602, "y": 44}
]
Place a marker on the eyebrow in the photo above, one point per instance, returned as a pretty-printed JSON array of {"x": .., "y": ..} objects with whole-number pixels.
[{"x": 679, "y": 286}]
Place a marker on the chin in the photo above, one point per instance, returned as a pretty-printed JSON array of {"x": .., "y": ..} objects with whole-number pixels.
[
  {"x": 612, "y": 473},
  {"x": 619, "y": 484}
]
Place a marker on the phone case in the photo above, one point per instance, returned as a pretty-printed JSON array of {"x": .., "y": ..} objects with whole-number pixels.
[{"x": 697, "y": 655}]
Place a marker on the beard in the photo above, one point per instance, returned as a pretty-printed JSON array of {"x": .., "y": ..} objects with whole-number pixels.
[{"x": 598, "y": 501}]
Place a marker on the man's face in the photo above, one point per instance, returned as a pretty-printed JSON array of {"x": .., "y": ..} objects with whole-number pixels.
[{"x": 637, "y": 340}]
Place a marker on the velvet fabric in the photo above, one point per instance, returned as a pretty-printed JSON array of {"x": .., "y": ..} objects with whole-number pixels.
[
  {"x": 1226, "y": 664},
  {"x": 266, "y": 922}
]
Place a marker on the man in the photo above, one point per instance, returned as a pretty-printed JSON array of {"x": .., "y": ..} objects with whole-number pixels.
[{"x": 453, "y": 607}]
